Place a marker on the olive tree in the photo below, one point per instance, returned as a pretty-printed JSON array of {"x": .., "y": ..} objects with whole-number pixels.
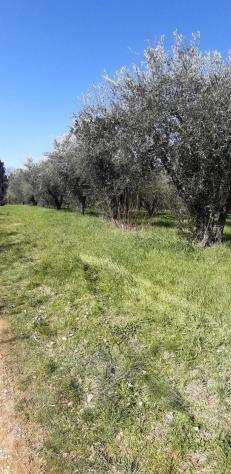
[
  {"x": 115, "y": 156},
  {"x": 52, "y": 187},
  {"x": 180, "y": 103},
  {"x": 16, "y": 191},
  {"x": 3, "y": 183},
  {"x": 31, "y": 178},
  {"x": 66, "y": 158},
  {"x": 24, "y": 184}
]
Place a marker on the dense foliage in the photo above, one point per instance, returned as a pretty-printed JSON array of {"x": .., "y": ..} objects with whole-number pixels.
[
  {"x": 154, "y": 136},
  {"x": 3, "y": 183}
]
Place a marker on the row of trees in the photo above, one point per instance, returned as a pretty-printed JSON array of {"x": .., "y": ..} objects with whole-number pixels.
[
  {"x": 3, "y": 183},
  {"x": 65, "y": 179},
  {"x": 154, "y": 136}
]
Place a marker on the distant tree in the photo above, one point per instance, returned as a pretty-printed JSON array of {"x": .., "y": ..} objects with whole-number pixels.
[
  {"x": 156, "y": 193},
  {"x": 24, "y": 184},
  {"x": 32, "y": 177},
  {"x": 3, "y": 183},
  {"x": 17, "y": 191},
  {"x": 52, "y": 187},
  {"x": 66, "y": 157}
]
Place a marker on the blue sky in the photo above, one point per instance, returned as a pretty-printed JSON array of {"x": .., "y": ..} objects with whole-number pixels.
[{"x": 51, "y": 51}]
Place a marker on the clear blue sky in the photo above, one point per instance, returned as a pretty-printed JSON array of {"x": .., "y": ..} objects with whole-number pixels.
[{"x": 53, "y": 50}]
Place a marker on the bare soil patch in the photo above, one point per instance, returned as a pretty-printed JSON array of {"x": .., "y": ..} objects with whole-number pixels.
[{"x": 14, "y": 453}]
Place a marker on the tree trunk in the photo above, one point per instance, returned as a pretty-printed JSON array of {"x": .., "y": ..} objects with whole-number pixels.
[
  {"x": 114, "y": 208},
  {"x": 220, "y": 224},
  {"x": 219, "y": 227},
  {"x": 204, "y": 228},
  {"x": 151, "y": 208},
  {"x": 58, "y": 204},
  {"x": 83, "y": 204},
  {"x": 207, "y": 237},
  {"x": 34, "y": 202}
]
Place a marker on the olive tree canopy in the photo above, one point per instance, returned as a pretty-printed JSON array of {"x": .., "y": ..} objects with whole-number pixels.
[{"x": 179, "y": 102}]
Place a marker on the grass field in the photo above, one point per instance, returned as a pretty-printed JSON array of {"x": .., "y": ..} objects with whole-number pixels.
[{"x": 123, "y": 343}]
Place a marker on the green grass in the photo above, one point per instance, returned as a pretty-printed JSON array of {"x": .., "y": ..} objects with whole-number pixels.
[{"x": 123, "y": 342}]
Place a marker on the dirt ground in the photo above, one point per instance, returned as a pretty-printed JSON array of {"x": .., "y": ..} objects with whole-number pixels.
[{"x": 14, "y": 453}]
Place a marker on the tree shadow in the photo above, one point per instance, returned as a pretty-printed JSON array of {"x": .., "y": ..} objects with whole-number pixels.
[
  {"x": 165, "y": 220},
  {"x": 227, "y": 238},
  {"x": 167, "y": 224},
  {"x": 227, "y": 232}
]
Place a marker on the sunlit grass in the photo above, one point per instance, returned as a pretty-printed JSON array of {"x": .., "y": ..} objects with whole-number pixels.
[{"x": 123, "y": 341}]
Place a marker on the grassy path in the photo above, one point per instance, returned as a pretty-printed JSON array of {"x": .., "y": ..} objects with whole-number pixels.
[{"x": 123, "y": 342}]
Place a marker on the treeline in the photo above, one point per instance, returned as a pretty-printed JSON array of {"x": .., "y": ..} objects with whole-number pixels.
[
  {"x": 3, "y": 184},
  {"x": 154, "y": 136}
]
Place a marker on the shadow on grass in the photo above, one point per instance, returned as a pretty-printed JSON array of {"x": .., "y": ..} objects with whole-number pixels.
[
  {"x": 227, "y": 233},
  {"x": 9, "y": 246},
  {"x": 13, "y": 339},
  {"x": 227, "y": 238},
  {"x": 165, "y": 220},
  {"x": 168, "y": 224}
]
